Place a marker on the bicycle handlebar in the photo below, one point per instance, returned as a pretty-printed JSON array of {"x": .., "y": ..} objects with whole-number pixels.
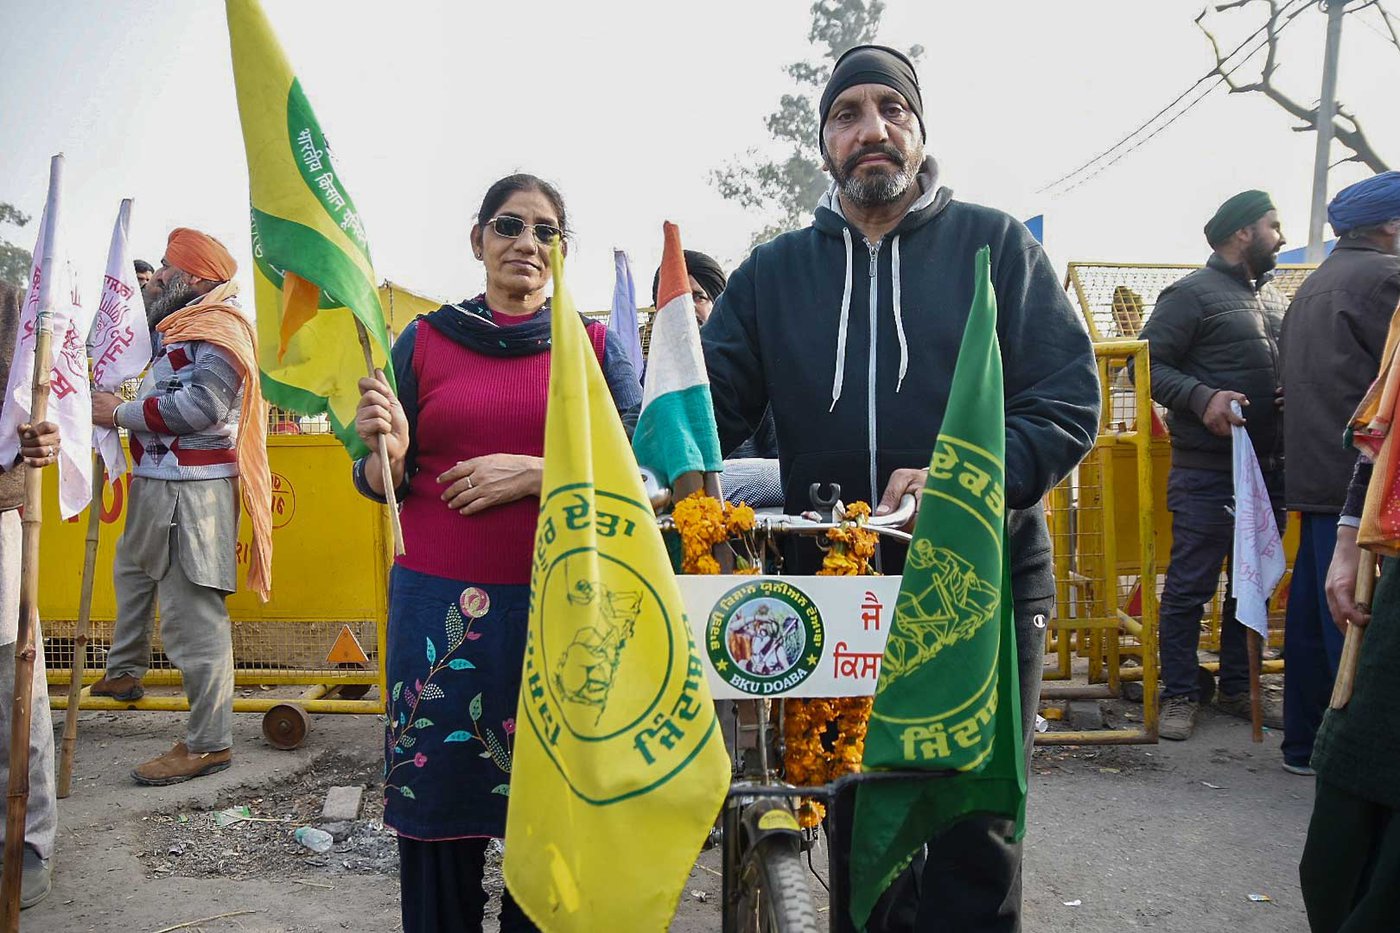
[{"x": 777, "y": 523}]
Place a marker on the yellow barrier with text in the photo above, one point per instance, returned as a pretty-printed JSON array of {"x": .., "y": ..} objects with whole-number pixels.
[{"x": 330, "y": 573}]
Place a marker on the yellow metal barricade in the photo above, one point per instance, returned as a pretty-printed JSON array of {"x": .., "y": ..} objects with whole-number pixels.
[
  {"x": 1112, "y": 513},
  {"x": 1117, "y": 298},
  {"x": 1104, "y": 528},
  {"x": 329, "y": 597}
]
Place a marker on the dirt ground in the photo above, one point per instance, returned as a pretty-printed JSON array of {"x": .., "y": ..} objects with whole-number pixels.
[{"x": 1169, "y": 838}]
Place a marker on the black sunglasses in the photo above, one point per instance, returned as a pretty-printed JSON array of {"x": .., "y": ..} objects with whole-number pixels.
[{"x": 511, "y": 227}]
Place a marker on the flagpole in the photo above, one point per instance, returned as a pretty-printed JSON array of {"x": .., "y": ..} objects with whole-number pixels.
[
  {"x": 387, "y": 471},
  {"x": 80, "y": 635},
  {"x": 1256, "y": 711},
  {"x": 1351, "y": 646},
  {"x": 17, "y": 793}
]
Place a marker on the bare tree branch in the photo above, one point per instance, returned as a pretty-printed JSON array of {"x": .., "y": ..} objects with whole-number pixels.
[
  {"x": 1346, "y": 128},
  {"x": 1389, "y": 25}
]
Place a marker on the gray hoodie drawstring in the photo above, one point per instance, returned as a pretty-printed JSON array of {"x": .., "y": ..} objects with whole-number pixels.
[
  {"x": 842, "y": 328},
  {"x": 898, "y": 317}
]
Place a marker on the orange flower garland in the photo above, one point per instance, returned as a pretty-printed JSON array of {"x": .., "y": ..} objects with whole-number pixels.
[
  {"x": 704, "y": 523},
  {"x": 808, "y": 723}
]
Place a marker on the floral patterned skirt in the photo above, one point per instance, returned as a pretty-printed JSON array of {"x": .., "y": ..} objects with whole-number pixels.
[{"x": 453, "y": 657}]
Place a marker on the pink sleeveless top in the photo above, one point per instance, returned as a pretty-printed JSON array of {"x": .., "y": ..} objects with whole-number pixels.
[{"x": 471, "y": 405}]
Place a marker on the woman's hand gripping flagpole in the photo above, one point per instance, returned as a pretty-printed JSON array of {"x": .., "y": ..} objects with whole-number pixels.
[{"x": 381, "y": 426}]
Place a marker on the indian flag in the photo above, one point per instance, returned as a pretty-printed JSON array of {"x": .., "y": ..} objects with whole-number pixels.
[
  {"x": 676, "y": 430},
  {"x": 313, "y": 281}
]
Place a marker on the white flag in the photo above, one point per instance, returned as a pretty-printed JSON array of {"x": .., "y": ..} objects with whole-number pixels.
[
  {"x": 70, "y": 399},
  {"x": 1258, "y": 562},
  {"x": 121, "y": 339}
]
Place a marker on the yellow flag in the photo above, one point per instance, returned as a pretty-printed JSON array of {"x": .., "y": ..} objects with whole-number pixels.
[
  {"x": 312, "y": 275},
  {"x": 619, "y": 768}
]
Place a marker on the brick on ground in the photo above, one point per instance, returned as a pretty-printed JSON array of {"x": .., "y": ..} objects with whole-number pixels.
[{"x": 342, "y": 804}]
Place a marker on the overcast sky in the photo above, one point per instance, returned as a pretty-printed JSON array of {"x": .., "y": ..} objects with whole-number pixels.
[{"x": 628, "y": 106}]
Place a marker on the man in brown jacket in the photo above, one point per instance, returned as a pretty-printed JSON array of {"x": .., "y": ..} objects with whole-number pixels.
[
  {"x": 1332, "y": 340},
  {"x": 39, "y": 447}
]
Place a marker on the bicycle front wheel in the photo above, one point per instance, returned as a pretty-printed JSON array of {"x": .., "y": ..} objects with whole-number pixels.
[{"x": 773, "y": 893}]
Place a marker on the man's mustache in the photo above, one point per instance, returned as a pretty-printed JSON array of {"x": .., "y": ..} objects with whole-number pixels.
[{"x": 890, "y": 152}]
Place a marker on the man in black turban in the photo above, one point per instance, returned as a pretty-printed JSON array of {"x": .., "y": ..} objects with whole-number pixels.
[
  {"x": 1214, "y": 341},
  {"x": 707, "y": 281}
]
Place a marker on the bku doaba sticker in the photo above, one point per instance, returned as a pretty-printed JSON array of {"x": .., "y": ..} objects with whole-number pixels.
[
  {"x": 609, "y": 670},
  {"x": 764, "y": 637}
]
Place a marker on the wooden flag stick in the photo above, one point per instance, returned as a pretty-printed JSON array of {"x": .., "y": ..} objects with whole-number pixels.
[
  {"x": 17, "y": 792},
  {"x": 1256, "y": 710},
  {"x": 80, "y": 634},
  {"x": 388, "y": 472},
  {"x": 1351, "y": 646}
]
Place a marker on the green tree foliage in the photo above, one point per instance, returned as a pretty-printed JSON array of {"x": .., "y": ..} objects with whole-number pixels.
[
  {"x": 15, "y": 261},
  {"x": 784, "y": 189}
]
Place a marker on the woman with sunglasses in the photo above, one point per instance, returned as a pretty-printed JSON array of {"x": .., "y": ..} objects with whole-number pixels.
[{"x": 465, "y": 439}]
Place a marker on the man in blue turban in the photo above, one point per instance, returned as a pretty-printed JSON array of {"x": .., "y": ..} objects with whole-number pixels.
[
  {"x": 1359, "y": 210},
  {"x": 1333, "y": 336}
]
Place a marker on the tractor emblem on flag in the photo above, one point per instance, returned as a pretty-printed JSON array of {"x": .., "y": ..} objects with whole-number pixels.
[
  {"x": 952, "y": 608},
  {"x": 588, "y": 665}
]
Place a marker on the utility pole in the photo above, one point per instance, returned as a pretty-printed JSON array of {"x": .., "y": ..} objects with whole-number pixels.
[{"x": 1326, "y": 111}]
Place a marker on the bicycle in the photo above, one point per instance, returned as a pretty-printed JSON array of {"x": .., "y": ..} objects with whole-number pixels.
[{"x": 765, "y": 887}]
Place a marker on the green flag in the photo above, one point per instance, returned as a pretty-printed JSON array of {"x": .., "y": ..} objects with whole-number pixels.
[{"x": 948, "y": 698}]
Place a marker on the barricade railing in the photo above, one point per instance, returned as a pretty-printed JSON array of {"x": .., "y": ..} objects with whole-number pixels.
[{"x": 1103, "y": 522}]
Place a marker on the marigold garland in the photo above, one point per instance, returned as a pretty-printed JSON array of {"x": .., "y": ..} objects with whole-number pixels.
[
  {"x": 704, "y": 523},
  {"x": 825, "y": 738}
]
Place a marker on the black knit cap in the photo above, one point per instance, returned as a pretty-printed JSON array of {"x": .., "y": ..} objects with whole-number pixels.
[{"x": 872, "y": 64}]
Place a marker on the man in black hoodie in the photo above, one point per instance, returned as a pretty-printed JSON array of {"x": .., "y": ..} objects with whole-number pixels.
[{"x": 854, "y": 352}]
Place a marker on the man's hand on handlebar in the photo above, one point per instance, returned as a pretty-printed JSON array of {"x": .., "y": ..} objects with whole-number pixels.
[{"x": 903, "y": 483}]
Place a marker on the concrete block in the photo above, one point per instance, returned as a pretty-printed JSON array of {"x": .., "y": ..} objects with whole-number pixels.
[
  {"x": 342, "y": 804},
  {"x": 1085, "y": 715}
]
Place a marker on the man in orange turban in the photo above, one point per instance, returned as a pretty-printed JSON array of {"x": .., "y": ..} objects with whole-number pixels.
[{"x": 198, "y": 438}]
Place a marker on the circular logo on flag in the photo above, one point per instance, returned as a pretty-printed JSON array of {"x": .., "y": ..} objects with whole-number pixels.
[
  {"x": 611, "y": 674},
  {"x": 764, "y": 637}
]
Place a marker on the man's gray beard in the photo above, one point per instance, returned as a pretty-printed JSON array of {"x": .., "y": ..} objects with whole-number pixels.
[
  {"x": 881, "y": 188},
  {"x": 178, "y": 293}
]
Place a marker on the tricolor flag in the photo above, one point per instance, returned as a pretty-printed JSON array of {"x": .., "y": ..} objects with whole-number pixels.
[
  {"x": 676, "y": 429},
  {"x": 619, "y": 768},
  {"x": 70, "y": 398},
  {"x": 121, "y": 338},
  {"x": 313, "y": 277},
  {"x": 1257, "y": 563},
  {"x": 948, "y": 697}
]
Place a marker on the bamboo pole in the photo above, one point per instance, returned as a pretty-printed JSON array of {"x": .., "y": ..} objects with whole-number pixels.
[
  {"x": 388, "y": 472},
  {"x": 1351, "y": 646},
  {"x": 80, "y": 635},
  {"x": 17, "y": 793}
]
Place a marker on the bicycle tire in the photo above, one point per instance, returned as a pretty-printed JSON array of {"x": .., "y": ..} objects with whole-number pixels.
[{"x": 773, "y": 892}]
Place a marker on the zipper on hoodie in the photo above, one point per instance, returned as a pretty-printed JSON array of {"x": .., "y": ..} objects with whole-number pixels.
[{"x": 870, "y": 376}]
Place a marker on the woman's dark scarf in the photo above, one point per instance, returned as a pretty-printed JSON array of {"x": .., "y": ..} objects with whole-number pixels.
[{"x": 471, "y": 324}]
